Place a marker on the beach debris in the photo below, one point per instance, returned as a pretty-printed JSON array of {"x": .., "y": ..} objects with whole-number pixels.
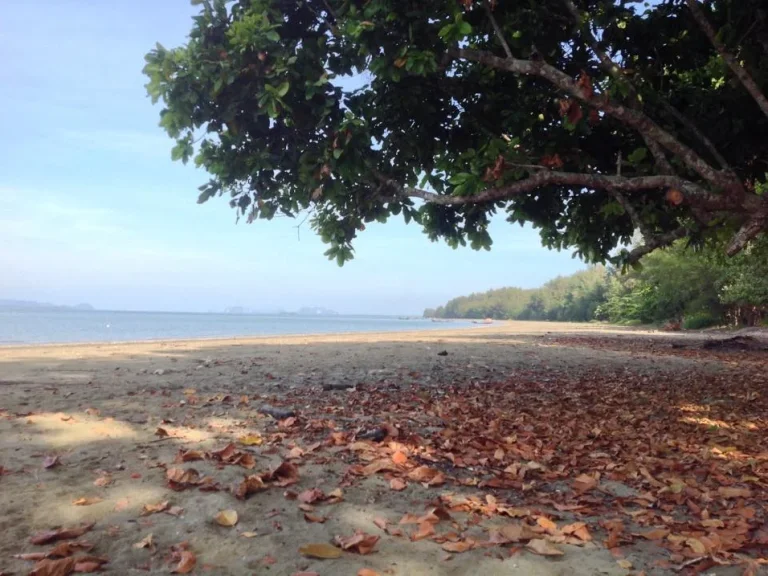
[
  {"x": 61, "y": 534},
  {"x": 321, "y": 551},
  {"x": 338, "y": 386},
  {"x": 51, "y": 462},
  {"x": 226, "y": 518},
  {"x": 87, "y": 501},
  {"x": 359, "y": 542},
  {"x": 377, "y": 434},
  {"x": 275, "y": 412},
  {"x": 443, "y": 353}
]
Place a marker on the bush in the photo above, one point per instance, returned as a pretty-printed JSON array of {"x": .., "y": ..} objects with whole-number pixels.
[{"x": 701, "y": 320}]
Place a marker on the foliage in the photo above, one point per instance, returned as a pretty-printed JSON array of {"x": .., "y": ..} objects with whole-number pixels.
[
  {"x": 572, "y": 298},
  {"x": 699, "y": 287},
  {"x": 468, "y": 107}
]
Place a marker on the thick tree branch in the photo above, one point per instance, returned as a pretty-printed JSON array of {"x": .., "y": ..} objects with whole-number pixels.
[
  {"x": 740, "y": 72},
  {"x": 575, "y": 179},
  {"x": 751, "y": 228},
  {"x": 654, "y": 242},
  {"x": 497, "y": 28},
  {"x": 633, "y": 118}
]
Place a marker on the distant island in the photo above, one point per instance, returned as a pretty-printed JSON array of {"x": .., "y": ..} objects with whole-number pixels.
[{"x": 31, "y": 304}]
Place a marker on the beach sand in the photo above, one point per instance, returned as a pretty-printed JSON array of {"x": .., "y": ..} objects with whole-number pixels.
[{"x": 95, "y": 410}]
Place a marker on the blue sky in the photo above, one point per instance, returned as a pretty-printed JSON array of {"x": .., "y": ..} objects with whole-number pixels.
[{"x": 92, "y": 209}]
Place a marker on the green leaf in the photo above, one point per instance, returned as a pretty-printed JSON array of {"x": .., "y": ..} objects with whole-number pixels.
[
  {"x": 282, "y": 90},
  {"x": 637, "y": 155},
  {"x": 337, "y": 153},
  {"x": 465, "y": 28}
]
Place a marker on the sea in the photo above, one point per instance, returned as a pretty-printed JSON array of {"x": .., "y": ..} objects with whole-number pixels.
[{"x": 40, "y": 326}]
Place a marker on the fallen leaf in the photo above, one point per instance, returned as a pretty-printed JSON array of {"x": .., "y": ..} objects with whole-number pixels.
[
  {"x": 517, "y": 532},
  {"x": 367, "y": 572},
  {"x": 322, "y": 551},
  {"x": 268, "y": 560},
  {"x": 731, "y": 492},
  {"x": 51, "y": 462},
  {"x": 87, "y": 501},
  {"x": 175, "y": 511},
  {"x": 359, "y": 542},
  {"x": 180, "y": 479},
  {"x": 62, "y": 534},
  {"x": 189, "y": 456},
  {"x": 655, "y": 534},
  {"x": 310, "y": 496},
  {"x": 146, "y": 542},
  {"x": 426, "y": 529},
  {"x": 250, "y": 485},
  {"x": 61, "y": 567},
  {"x": 103, "y": 481},
  {"x": 584, "y": 483},
  {"x": 313, "y": 518},
  {"x": 624, "y": 563},
  {"x": 162, "y": 433},
  {"x": 543, "y": 548},
  {"x": 549, "y": 526},
  {"x": 381, "y": 523},
  {"x": 226, "y": 518},
  {"x": 399, "y": 458},
  {"x": 285, "y": 474},
  {"x": 397, "y": 484},
  {"x": 249, "y": 534},
  {"x": 696, "y": 545},
  {"x": 186, "y": 563},
  {"x": 121, "y": 504},
  {"x": 152, "y": 508},
  {"x": 457, "y": 547},
  {"x": 251, "y": 440}
]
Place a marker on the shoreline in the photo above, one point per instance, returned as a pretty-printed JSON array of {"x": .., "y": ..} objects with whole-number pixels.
[{"x": 246, "y": 339}]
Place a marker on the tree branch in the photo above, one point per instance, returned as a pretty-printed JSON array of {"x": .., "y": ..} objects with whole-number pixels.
[
  {"x": 575, "y": 179},
  {"x": 633, "y": 118},
  {"x": 497, "y": 29},
  {"x": 740, "y": 72},
  {"x": 693, "y": 129},
  {"x": 747, "y": 232},
  {"x": 654, "y": 242}
]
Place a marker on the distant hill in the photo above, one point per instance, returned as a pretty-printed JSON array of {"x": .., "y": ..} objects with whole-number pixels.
[
  {"x": 31, "y": 304},
  {"x": 566, "y": 298}
]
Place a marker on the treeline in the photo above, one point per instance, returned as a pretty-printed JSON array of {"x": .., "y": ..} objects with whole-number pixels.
[{"x": 696, "y": 287}]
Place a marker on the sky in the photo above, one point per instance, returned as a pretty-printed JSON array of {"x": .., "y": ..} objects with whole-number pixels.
[{"x": 92, "y": 209}]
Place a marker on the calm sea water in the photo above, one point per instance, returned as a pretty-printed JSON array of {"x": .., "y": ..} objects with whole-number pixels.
[{"x": 44, "y": 326}]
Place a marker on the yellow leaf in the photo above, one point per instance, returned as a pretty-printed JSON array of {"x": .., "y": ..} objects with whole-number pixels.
[
  {"x": 626, "y": 564},
  {"x": 226, "y": 518},
  {"x": 251, "y": 440},
  {"x": 696, "y": 545},
  {"x": 322, "y": 551},
  {"x": 249, "y": 534}
]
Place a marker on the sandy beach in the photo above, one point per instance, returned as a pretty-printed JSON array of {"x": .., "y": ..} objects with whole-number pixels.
[{"x": 105, "y": 423}]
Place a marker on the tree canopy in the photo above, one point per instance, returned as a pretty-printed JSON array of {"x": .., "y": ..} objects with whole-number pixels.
[{"x": 590, "y": 119}]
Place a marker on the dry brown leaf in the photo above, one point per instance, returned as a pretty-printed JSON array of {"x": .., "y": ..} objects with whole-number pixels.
[
  {"x": 148, "y": 509},
  {"x": 250, "y": 485},
  {"x": 189, "y": 456},
  {"x": 655, "y": 534},
  {"x": 162, "y": 433},
  {"x": 186, "y": 563},
  {"x": 249, "y": 534},
  {"x": 584, "y": 483},
  {"x": 226, "y": 518},
  {"x": 543, "y": 548},
  {"x": 61, "y": 567},
  {"x": 314, "y": 518},
  {"x": 321, "y": 551},
  {"x": 103, "y": 481},
  {"x": 381, "y": 523},
  {"x": 87, "y": 501},
  {"x": 624, "y": 563},
  {"x": 312, "y": 495},
  {"x": 397, "y": 484},
  {"x": 146, "y": 542},
  {"x": 426, "y": 529},
  {"x": 457, "y": 547},
  {"x": 517, "y": 532},
  {"x": 733, "y": 492},
  {"x": 62, "y": 534},
  {"x": 367, "y": 572},
  {"x": 359, "y": 542},
  {"x": 547, "y": 524},
  {"x": 285, "y": 474}
]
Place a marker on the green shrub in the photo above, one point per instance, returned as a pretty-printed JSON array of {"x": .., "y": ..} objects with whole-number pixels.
[{"x": 701, "y": 320}]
